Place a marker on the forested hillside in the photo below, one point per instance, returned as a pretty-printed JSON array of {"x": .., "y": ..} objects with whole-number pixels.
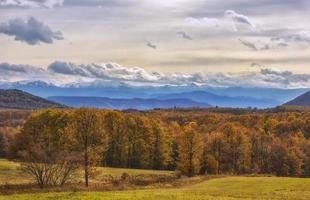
[
  {"x": 302, "y": 100},
  {"x": 17, "y": 99},
  {"x": 190, "y": 141}
]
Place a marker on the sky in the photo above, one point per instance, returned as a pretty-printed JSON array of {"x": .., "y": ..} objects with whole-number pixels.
[{"x": 162, "y": 41}]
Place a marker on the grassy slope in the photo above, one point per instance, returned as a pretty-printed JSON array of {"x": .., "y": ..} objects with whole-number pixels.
[
  {"x": 221, "y": 188},
  {"x": 10, "y": 173}
]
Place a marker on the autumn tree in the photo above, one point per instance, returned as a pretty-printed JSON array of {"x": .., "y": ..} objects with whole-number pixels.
[
  {"x": 4, "y": 143},
  {"x": 139, "y": 141},
  {"x": 160, "y": 144},
  {"x": 238, "y": 156},
  {"x": 175, "y": 131},
  {"x": 212, "y": 165},
  {"x": 190, "y": 149},
  {"x": 115, "y": 128},
  {"x": 42, "y": 146},
  {"x": 89, "y": 138},
  {"x": 215, "y": 153},
  {"x": 260, "y": 151}
]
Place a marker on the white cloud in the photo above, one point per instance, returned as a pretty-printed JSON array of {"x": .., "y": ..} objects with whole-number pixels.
[
  {"x": 301, "y": 36},
  {"x": 239, "y": 18},
  {"x": 69, "y": 73},
  {"x": 228, "y": 24},
  {"x": 205, "y": 21},
  {"x": 53, "y": 3},
  {"x": 111, "y": 71},
  {"x": 31, "y": 31}
]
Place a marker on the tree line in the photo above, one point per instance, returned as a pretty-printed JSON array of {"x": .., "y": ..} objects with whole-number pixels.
[{"x": 52, "y": 144}]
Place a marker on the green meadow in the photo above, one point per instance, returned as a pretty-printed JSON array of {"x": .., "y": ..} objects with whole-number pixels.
[
  {"x": 230, "y": 187},
  {"x": 221, "y": 188}
]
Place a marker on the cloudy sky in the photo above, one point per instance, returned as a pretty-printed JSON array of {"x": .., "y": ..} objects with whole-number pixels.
[{"x": 201, "y": 40}]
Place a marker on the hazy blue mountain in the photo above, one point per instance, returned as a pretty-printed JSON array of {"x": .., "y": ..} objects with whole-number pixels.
[
  {"x": 302, "y": 100},
  {"x": 223, "y": 101},
  {"x": 122, "y": 104},
  {"x": 281, "y": 95},
  {"x": 43, "y": 89},
  {"x": 17, "y": 99},
  {"x": 228, "y": 97}
]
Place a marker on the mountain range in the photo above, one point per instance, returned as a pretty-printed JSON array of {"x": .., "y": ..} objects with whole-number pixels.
[
  {"x": 248, "y": 97},
  {"x": 194, "y": 95},
  {"x": 222, "y": 101},
  {"x": 123, "y": 104},
  {"x": 17, "y": 99}
]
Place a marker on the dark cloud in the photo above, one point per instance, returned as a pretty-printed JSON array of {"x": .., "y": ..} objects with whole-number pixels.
[
  {"x": 14, "y": 68},
  {"x": 31, "y": 31},
  {"x": 248, "y": 7},
  {"x": 258, "y": 45},
  {"x": 151, "y": 45},
  {"x": 248, "y": 44},
  {"x": 254, "y": 64},
  {"x": 59, "y": 3},
  {"x": 269, "y": 6},
  {"x": 31, "y": 3},
  {"x": 6, "y": 67},
  {"x": 291, "y": 36},
  {"x": 184, "y": 35},
  {"x": 103, "y": 3}
]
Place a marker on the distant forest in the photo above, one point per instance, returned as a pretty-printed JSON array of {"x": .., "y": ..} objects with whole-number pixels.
[{"x": 190, "y": 141}]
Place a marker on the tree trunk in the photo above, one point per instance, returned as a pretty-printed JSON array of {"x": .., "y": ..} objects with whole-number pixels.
[{"x": 86, "y": 173}]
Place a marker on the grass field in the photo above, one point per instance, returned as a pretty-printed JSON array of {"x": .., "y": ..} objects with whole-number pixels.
[
  {"x": 219, "y": 188},
  {"x": 10, "y": 173}
]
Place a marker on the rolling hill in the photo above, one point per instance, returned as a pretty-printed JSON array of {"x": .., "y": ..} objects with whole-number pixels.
[
  {"x": 123, "y": 104},
  {"x": 17, "y": 99},
  {"x": 302, "y": 100}
]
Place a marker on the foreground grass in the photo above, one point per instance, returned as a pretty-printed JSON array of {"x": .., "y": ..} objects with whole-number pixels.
[
  {"x": 221, "y": 188},
  {"x": 10, "y": 173}
]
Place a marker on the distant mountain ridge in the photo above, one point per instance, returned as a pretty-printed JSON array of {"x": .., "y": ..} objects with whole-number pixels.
[
  {"x": 123, "y": 104},
  {"x": 223, "y": 97},
  {"x": 223, "y": 101},
  {"x": 17, "y": 99},
  {"x": 302, "y": 100}
]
